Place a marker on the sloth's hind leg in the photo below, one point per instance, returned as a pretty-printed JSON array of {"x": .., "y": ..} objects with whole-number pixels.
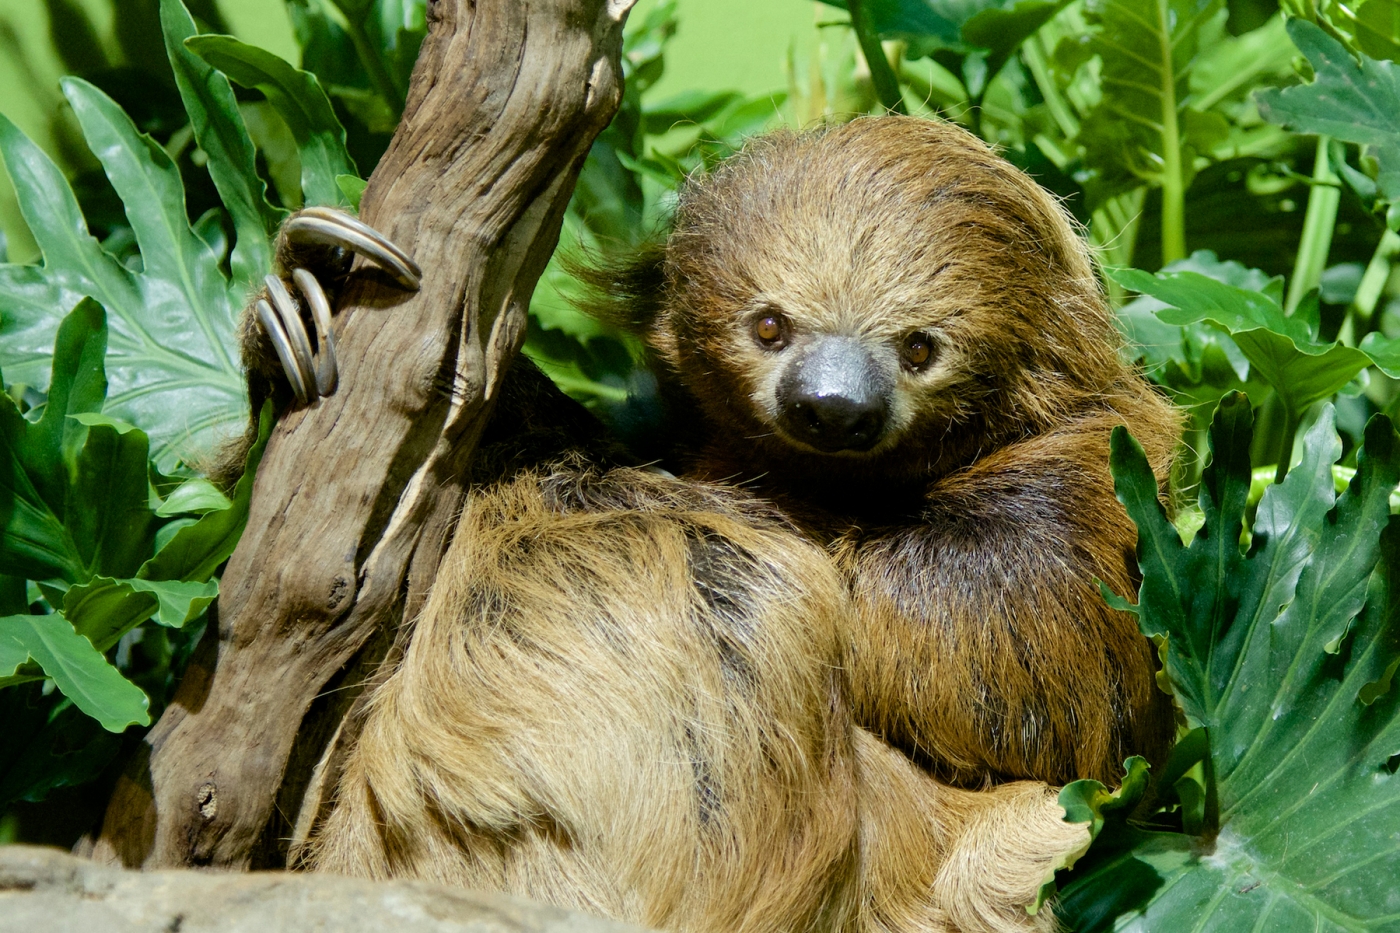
[{"x": 633, "y": 712}]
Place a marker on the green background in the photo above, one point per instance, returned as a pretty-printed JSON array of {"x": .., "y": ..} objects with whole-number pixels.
[{"x": 738, "y": 44}]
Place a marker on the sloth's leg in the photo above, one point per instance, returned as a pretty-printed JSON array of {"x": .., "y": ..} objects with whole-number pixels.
[
  {"x": 314, "y": 251},
  {"x": 939, "y": 858},
  {"x": 633, "y": 712}
]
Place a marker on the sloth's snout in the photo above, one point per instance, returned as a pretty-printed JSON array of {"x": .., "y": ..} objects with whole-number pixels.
[{"x": 835, "y": 397}]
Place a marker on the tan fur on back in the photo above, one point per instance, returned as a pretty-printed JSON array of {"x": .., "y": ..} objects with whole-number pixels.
[{"x": 792, "y": 690}]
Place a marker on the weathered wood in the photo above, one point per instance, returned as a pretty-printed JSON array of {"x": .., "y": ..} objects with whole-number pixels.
[{"x": 506, "y": 99}]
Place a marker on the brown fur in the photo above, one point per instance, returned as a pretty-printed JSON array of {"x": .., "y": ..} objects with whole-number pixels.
[
  {"x": 973, "y": 533},
  {"x": 737, "y": 700}
]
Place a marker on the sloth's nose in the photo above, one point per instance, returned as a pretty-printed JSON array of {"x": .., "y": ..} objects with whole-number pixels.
[
  {"x": 834, "y": 422},
  {"x": 834, "y": 397}
]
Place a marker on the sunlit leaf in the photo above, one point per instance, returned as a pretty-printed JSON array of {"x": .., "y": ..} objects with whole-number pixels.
[{"x": 77, "y": 669}]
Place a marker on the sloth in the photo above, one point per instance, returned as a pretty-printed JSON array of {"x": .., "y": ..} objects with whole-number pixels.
[{"x": 820, "y": 668}]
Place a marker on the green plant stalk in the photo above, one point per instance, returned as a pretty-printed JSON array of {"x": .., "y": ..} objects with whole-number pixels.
[
  {"x": 1173, "y": 178},
  {"x": 1361, "y": 313},
  {"x": 378, "y": 74},
  {"x": 881, "y": 74},
  {"x": 1318, "y": 225},
  {"x": 1285, "y": 442},
  {"x": 1034, "y": 56}
]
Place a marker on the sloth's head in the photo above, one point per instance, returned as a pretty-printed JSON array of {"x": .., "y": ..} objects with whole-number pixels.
[{"x": 873, "y": 292}]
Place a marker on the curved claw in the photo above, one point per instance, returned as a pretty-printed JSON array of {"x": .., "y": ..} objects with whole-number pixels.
[
  {"x": 290, "y": 314},
  {"x": 327, "y": 373},
  {"x": 335, "y": 228},
  {"x": 272, "y": 325}
]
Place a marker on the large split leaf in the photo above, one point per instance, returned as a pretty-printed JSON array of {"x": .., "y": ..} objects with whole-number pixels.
[
  {"x": 171, "y": 362},
  {"x": 1283, "y": 654},
  {"x": 1283, "y": 350},
  {"x": 1358, "y": 102},
  {"x": 1142, "y": 130}
]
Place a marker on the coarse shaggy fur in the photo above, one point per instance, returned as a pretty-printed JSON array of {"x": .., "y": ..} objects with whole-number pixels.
[{"x": 788, "y": 689}]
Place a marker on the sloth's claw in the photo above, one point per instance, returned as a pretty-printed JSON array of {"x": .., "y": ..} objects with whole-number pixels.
[
  {"x": 272, "y": 326},
  {"x": 290, "y": 314},
  {"x": 327, "y": 373},
  {"x": 313, "y": 375},
  {"x": 329, "y": 227}
]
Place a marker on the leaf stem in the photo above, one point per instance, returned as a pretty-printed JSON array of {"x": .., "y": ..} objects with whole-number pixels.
[
  {"x": 1360, "y": 318},
  {"x": 881, "y": 74},
  {"x": 1033, "y": 54},
  {"x": 1173, "y": 176},
  {"x": 1285, "y": 443},
  {"x": 1318, "y": 225}
]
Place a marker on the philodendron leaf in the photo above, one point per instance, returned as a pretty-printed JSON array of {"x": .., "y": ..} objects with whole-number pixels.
[
  {"x": 197, "y": 550},
  {"x": 196, "y": 495},
  {"x": 222, "y": 135},
  {"x": 1001, "y": 30},
  {"x": 171, "y": 362},
  {"x": 1351, "y": 101},
  {"x": 1139, "y": 130},
  {"x": 104, "y": 609},
  {"x": 77, "y": 669},
  {"x": 1277, "y": 654},
  {"x": 1281, "y": 349},
  {"x": 299, "y": 100}
]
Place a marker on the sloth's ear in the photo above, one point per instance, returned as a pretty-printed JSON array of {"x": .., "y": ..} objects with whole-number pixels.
[{"x": 627, "y": 292}]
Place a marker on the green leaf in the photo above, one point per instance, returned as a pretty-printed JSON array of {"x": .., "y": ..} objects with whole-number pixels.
[
  {"x": 92, "y": 419},
  {"x": 221, "y": 134},
  {"x": 1274, "y": 652},
  {"x": 1002, "y": 30},
  {"x": 353, "y": 187},
  {"x": 104, "y": 609},
  {"x": 1351, "y": 101},
  {"x": 299, "y": 100},
  {"x": 1378, "y": 29},
  {"x": 1282, "y": 350},
  {"x": 1140, "y": 130},
  {"x": 33, "y": 540},
  {"x": 12, "y": 655},
  {"x": 170, "y": 365},
  {"x": 109, "y": 515},
  {"x": 77, "y": 386},
  {"x": 78, "y": 670},
  {"x": 197, "y": 550},
  {"x": 196, "y": 495}
]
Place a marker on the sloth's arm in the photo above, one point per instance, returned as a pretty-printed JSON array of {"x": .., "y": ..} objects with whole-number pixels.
[
  {"x": 982, "y": 643},
  {"x": 288, "y": 342}
]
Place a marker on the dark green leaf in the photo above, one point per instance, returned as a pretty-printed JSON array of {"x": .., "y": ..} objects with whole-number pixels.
[
  {"x": 1274, "y": 652},
  {"x": 104, "y": 609},
  {"x": 1281, "y": 349},
  {"x": 1358, "y": 103},
  {"x": 197, "y": 550},
  {"x": 78, "y": 670},
  {"x": 299, "y": 100},
  {"x": 221, "y": 133}
]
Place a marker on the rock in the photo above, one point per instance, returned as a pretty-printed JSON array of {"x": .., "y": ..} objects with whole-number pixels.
[{"x": 51, "y": 891}]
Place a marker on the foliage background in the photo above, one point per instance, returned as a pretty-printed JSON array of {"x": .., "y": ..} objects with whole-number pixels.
[{"x": 1237, "y": 170}]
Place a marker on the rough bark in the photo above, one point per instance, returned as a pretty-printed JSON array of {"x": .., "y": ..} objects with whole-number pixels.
[{"x": 506, "y": 99}]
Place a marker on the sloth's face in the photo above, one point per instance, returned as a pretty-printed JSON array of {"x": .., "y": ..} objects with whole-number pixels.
[{"x": 843, "y": 384}]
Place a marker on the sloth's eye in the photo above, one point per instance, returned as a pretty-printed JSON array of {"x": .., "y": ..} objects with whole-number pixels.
[
  {"x": 917, "y": 350},
  {"x": 771, "y": 329}
]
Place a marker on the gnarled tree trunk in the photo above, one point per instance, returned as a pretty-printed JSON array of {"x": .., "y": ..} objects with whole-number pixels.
[{"x": 354, "y": 498}]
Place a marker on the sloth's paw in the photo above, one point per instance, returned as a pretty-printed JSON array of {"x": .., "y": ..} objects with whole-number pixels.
[{"x": 317, "y": 245}]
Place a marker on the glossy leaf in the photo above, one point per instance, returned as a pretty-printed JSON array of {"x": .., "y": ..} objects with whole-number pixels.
[
  {"x": 1275, "y": 652},
  {"x": 197, "y": 550},
  {"x": 222, "y": 135},
  {"x": 78, "y": 669},
  {"x": 104, "y": 609},
  {"x": 1358, "y": 102},
  {"x": 299, "y": 100},
  {"x": 171, "y": 363},
  {"x": 1281, "y": 349}
]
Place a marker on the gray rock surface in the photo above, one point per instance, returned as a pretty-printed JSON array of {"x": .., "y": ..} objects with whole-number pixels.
[{"x": 49, "y": 891}]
